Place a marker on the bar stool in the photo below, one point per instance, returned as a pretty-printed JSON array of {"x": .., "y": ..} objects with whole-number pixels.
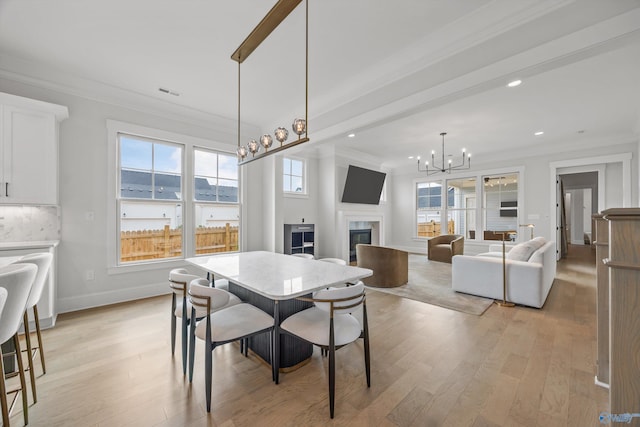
[
  {"x": 43, "y": 262},
  {"x": 17, "y": 279}
]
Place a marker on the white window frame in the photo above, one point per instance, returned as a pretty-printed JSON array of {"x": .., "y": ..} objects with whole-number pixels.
[
  {"x": 195, "y": 202},
  {"x": 519, "y": 170},
  {"x": 304, "y": 193},
  {"x": 114, "y": 128}
]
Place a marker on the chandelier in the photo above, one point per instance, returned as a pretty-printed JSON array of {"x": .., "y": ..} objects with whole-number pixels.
[
  {"x": 443, "y": 167},
  {"x": 272, "y": 19}
]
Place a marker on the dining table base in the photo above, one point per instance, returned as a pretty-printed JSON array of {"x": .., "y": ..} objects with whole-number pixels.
[{"x": 293, "y": 351}]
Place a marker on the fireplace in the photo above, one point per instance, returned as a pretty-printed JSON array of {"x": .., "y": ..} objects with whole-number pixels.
[{"x": 355, "y": 237}]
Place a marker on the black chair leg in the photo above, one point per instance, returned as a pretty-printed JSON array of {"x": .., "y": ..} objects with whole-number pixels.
[
  {"x": 208, "y": 372},
  {"x": 185, "y": 325},
  {"x": 192, "y": 346},
  {"x": 332, "y": 379},
  {"x": 173, "y": 324}
]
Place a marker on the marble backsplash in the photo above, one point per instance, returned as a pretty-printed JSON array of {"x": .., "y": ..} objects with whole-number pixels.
[{"x": 20, "y": 223}]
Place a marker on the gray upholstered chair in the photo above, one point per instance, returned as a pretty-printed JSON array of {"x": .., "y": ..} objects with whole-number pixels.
[
  {"x": 390, "y": 266},
  {"x": 443, "y": 248}
]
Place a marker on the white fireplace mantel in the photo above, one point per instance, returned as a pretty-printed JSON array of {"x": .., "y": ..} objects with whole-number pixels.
[{"x": 345, "y": 217}]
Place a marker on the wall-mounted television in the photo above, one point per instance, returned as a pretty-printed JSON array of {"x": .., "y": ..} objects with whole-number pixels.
[{"x": 363, "y": 186}]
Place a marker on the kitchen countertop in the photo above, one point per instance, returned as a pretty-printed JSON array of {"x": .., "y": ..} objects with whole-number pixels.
[{"x": 5, "y": 246}]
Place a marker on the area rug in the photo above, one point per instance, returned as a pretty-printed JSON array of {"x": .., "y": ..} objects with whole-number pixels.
[{"x": 430, "y": 282}]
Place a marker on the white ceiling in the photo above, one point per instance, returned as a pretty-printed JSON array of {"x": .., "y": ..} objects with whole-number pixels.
[{"x": 395, "y": 73}]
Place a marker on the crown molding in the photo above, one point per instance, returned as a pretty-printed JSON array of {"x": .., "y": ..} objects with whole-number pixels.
[{"x": 42, "y": 76}]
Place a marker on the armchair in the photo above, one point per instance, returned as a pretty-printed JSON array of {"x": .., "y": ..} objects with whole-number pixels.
[{"x": 443, "y": 248}]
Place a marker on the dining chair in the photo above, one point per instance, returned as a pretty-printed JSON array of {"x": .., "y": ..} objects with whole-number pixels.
[
  {"x": 17, "y": 279},
  {"x": 225, "y": 324},
  {"x": 331, "y": 325},
  {"x": 43, "y": 262},
  {"x": 179, "y": 280}
]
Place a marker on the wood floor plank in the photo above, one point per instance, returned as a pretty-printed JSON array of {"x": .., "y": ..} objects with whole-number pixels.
[{"x": 112, "y": 366}]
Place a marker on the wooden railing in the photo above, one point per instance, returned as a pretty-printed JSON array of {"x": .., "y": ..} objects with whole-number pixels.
[
  {"x": 431, "y": 229},
  {"x": 167, "y": 243}
]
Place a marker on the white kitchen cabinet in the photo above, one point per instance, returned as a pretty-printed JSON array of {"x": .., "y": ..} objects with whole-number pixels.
[{"x": 29, "y": 150}]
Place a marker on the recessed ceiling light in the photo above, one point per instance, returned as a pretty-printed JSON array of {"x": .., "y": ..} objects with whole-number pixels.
[
  {"x": 514, "y": 83},
  {"x": 539, "y": 133},
  {"x": 411, "y": 157},
  {"x": 351, "y": 135}
]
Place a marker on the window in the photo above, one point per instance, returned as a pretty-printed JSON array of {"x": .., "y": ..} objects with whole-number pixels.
[
  {"x": 500, "y": 206},
  {"x": 150, "y": 205},
  {"x": 428, "y": 203},
  {"x": 293, "y": 176},
  {"x": 217, "y": 211},
  {"x": 171, "y": 198},
  {"x": 461, "y": 207},
  {"x": 492, "y": 197}
]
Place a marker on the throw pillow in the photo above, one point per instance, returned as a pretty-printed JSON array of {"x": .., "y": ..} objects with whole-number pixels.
[
  {"x": 522, "y": 251},
  {"x": 538, "y": 242}
]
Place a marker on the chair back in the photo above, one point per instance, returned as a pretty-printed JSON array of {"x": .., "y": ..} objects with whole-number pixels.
[
  {"x": 17, "y": 279},
  {"x": 340, "y": 300},
  {"x": 205, "y": 297},
  {"x": 3, "y": 298},
  {"x": 179, "y": 278},
  {"x": 43, "y": 262}
]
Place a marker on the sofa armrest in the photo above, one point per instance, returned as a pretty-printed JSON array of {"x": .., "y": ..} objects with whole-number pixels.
[{"x": 457, "y": 246}]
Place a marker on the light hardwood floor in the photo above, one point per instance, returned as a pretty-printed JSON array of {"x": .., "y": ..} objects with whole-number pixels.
[{"x": 112, "y": 366}]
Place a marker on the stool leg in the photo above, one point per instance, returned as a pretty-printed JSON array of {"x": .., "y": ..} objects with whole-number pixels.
[
  {"x": 3, "y": 393},
  {"x": 32, "y": 373},
  {"x": 40, "y": 347},
  {"x": 23, "y": 383}
]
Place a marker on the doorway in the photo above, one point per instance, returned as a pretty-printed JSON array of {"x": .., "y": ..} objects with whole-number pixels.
[
  {"x": 619, "y": 183},
  {"x": 577, "y": 202}
]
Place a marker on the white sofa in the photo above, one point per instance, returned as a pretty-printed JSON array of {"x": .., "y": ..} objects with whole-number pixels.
[{"x": 528, "y": 281}]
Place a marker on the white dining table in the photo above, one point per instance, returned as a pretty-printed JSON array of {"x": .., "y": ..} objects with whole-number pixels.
[
  {"x": 278, "y": 276},
  {"x": 271, "y": 282}
]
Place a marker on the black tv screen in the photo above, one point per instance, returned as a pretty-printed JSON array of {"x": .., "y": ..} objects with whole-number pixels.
[{"x": 363, "y": 186}]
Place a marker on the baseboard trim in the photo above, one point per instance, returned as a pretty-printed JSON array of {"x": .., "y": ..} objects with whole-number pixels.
[
  {"x": 600, "y": 383},
  {"x": 66, "y": 305}
]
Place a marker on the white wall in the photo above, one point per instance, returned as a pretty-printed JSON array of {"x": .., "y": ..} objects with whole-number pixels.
[
  {"x": 83, "y": 183},
  {"x": 536, "y": 187}
]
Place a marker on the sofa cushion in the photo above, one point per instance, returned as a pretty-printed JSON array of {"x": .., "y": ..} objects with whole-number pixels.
[{"x": 522, "y": 251}]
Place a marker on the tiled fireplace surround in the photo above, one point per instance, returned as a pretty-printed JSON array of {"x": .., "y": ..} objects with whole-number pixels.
[{"x": 359, "y": 221}]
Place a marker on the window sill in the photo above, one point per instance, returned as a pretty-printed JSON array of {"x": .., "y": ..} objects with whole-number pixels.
[
  {"x": 146, "y": 266},
  {"x": 295, "y": 195}
]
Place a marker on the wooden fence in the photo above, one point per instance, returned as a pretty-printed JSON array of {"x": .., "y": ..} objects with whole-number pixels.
[
  {"x": 166, "y": 243},
  {"x": 431, "y": 229}
]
